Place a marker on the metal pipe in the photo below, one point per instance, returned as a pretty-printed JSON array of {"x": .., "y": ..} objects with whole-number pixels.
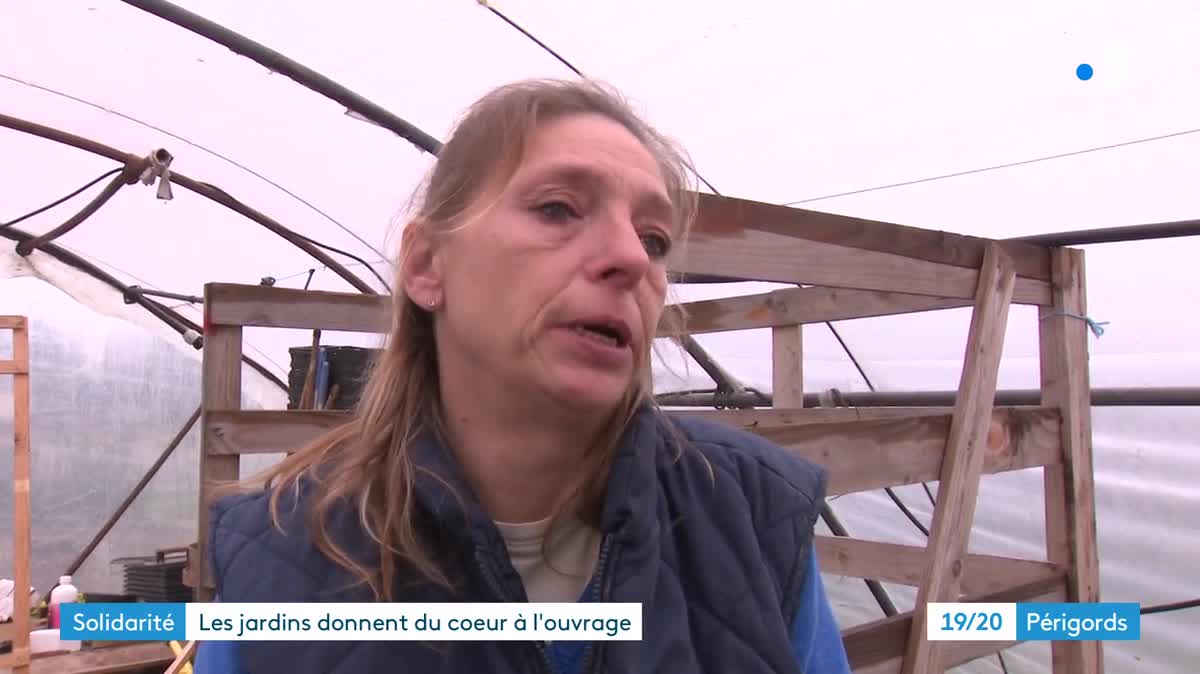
[
  {"x": 173, "y": 319},
  {"x": 1084, "y": 237},
  {"x": 681, "y": 277},
  {"x": 726, "y": 382},
  {"x": 1102, "y": 397},
  {"x": 204, "y": 189},
  {"x": 278, "y": 63},
  {"x": 138, "y": 290},
  {"x": 1173, "y": 606},
  {"x": 127, "y": 176}
]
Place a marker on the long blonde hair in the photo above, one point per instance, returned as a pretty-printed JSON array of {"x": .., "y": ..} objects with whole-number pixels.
[{"x": 367, "y": 461}]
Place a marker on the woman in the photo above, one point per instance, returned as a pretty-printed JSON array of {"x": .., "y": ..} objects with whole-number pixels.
[{"x": 507, "y": 447}]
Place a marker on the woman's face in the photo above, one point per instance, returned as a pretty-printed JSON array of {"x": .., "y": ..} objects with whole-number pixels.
[{"x": 558, "y": 288}]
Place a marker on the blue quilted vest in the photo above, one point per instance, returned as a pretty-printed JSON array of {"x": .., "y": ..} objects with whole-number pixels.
[{"x": 717, "y": 564}]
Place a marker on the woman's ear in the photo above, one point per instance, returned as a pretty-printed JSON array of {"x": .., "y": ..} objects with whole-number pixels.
[{"x": 421, "y": 267}]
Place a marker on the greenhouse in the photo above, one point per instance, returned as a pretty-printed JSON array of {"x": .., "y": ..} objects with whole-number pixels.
[{"x": 924, "y": 231}]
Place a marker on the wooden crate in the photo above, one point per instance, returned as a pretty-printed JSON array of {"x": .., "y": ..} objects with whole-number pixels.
[{"x": 860, "y": 268}]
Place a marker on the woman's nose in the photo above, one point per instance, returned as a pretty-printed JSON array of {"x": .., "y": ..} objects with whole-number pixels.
[{"x": 621, "y": 256}]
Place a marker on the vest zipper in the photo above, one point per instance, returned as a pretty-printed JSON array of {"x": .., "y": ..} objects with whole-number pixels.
[
  {"x": 600, "y": 593},
  {"x": 494, "y": 584}
]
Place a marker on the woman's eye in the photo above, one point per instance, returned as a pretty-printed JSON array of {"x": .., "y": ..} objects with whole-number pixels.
[
  {"x": 556, "y": 211},
  {"x": 656, "y": 244}
]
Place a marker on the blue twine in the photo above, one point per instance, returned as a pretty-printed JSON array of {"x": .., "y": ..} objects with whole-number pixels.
[{"x": 1096, "y": 327}]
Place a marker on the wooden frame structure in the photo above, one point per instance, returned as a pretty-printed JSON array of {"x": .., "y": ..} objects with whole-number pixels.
[
  {"x": 17, "y": 631},
  {"x": 859, "y": 268}
]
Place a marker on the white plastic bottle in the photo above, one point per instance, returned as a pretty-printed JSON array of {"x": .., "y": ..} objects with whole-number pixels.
[{"x": 65, "y": 593}]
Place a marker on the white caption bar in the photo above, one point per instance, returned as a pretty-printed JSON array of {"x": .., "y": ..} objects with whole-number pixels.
[{"x": 414, "y": 622}]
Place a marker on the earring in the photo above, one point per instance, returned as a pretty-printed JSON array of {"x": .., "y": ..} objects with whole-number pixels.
[{"x": 432, "y": 303}]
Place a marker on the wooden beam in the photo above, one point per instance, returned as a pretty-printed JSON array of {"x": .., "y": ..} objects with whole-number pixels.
[
  {"x": 22, "y": 460},
  {"x": 183, "y": 658},
  {"x": 796, "y": 306},
  {"x": 110, "y": 660},
  {"x": 1069, "y": 488},
  {"x": 966, "y": 448},
  {"x": 268, "y": 306},
  {"x": 879, "y": 647},
  {"x": 768, "y": 256},
  {"x": 866, "y": 455},
  {"x": 730, "y": 217},
  {"x": 13, "y": 322},
  {"x": 221, "y": 388},
  {"x": 12, "y": 367},
  {"x": 860, "y": 455},
  {"x": 234, "y": 432},
  {"x": 787, "y": 365},
  {"x": 905, "y": 565}
]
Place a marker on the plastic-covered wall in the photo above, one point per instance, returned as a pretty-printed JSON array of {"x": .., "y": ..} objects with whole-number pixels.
[{"x": 108, "y": 397}]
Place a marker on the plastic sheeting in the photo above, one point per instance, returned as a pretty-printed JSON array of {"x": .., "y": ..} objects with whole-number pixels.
[
  {"x": 108, "y": 396},
  {"x": 775, "y": 102}
]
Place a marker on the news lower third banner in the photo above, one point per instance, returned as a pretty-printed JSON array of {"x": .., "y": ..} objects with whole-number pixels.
[
  {"x": 1099, "y": 621},
  {"x": 539, "y": 622},
  {"x": 352, "y": 622}
]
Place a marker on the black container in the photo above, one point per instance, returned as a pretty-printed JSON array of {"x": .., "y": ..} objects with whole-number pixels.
[
  {"x": 348, "y": 369},
  {"x": 155, "y": 578}
]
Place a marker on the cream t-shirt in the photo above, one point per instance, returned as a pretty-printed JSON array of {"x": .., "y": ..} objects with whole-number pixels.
[{"x": 560, "y": 571}]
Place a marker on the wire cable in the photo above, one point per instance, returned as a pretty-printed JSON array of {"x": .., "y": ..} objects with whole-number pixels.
[
  {"x": 997, "y": 167},
  {"x": 92, "y": 182},
  {"x": 202, "y": 148},
  {"x": 68, "y": 197},
  {"x": 907, "y": 513},
  {"x": 291, "y": 275},
  {"x": 932, "y": 500},
  {"x": 569, "y": 65},
  {"x": 314, "y": 242},
  {"x": 532, "y": 37}
]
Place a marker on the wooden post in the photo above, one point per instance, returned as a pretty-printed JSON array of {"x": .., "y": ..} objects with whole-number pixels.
[
  {"x": 963, "y": 463},
  {"x": 1069, "y": 487},
  {"x": 182, "y": 664},
  {"x": 21, "y": 520},
  {"x": 221, "y": 390},
  {"x": 787, "y": 366}
]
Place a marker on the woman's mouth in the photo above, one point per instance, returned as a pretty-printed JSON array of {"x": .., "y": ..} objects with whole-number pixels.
[{"x": 608, "y": 332}]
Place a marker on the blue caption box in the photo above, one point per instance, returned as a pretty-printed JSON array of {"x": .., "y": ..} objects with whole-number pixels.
[
  {"x": 124, "y": 622},
  {"x": 1100, "y": 621}
]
